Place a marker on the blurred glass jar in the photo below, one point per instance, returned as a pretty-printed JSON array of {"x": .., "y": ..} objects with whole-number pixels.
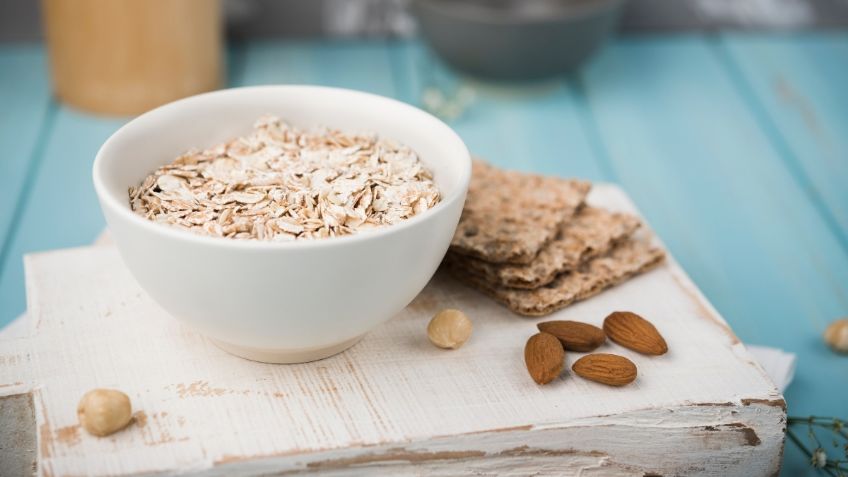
[{"x": 129, "y": 56}]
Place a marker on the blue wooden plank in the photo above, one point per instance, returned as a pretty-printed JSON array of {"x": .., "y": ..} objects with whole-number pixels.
[
  {"x": 534, "y": 127},
  {"x": 683, "y": 141},
  {"x": 665, "y": 117},
  {"x": 357, "y": 65},
  {"x": 680, "y": 135},
  {"x": 798, "y": 85},
  {"x": 25, "y": 100}
]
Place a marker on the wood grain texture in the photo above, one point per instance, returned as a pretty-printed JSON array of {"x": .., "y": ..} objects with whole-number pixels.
[
  {"x": 797, "y": 87},
  {"x": 664, "y": 116},
  {"x": 18, "y": 454},
  {"x": 710, "y": 178},
  {"x": 393, "y": 401}
]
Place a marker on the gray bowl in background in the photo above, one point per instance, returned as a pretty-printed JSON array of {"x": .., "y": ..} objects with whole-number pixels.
[{"x": 516, "y": 39}]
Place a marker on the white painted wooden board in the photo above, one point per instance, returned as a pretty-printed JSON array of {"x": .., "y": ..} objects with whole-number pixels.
[{"x": 393, "y": 402}]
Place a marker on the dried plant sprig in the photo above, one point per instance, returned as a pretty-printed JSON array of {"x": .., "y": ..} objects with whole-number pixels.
[{"x": 819, "y": 458}]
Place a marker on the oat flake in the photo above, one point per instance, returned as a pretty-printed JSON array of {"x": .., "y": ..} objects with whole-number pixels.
[{"x": 280, "y": 183}]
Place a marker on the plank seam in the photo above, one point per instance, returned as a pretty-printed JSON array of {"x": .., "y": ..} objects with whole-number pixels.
[
  {"x": 783, "y": 150},
  {"x": 590, "y": 127},
  {"x": 36, "y": 158}
]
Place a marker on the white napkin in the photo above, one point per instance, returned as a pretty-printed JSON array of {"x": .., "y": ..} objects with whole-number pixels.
[{"x": 778, "y": 364}]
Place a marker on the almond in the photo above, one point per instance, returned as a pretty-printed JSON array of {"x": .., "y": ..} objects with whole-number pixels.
[
  {"x": 544, "y": 357},
  {"x": 634, "y": 332},
  {"x": 609, "y": 369},
  {"x": 574, "y": 335}
]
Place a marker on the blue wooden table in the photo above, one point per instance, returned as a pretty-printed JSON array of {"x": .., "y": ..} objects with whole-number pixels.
[{"x": 734, "y": 146}]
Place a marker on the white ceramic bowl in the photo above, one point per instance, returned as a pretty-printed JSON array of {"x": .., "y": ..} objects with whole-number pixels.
[{"x": 280, "y": 302}]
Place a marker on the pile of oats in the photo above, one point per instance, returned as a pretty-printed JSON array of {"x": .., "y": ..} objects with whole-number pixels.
[{"x": 281, "y": 183}]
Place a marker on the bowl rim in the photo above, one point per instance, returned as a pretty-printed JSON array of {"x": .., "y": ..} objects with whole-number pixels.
[
  {"x": 488, "y": 16},
  {"x": 108, "y": 200}
]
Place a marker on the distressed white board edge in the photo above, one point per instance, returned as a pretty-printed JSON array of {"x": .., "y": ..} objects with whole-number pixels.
[{"x": 742, "y": 433}]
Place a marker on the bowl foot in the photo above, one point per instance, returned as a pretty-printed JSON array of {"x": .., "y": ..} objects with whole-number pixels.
[{"x": 288, "y": 356}]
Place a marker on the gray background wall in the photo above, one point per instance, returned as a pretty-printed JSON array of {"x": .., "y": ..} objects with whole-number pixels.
[{"x": 19, "y": 19}]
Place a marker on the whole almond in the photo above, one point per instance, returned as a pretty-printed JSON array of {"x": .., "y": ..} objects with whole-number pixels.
[
  {"x": 609, "y": 369},
  {"x": 574, "y": 335},
  {"x": 544, "y": 357},
  {"x": 634, "y": 332}
]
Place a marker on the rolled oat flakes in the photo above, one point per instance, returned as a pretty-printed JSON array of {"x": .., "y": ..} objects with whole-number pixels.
[{"x": 280, "y": 183}]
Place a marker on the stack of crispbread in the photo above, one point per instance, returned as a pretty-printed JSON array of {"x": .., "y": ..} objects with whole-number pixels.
[{"x": 531, "y": 242}]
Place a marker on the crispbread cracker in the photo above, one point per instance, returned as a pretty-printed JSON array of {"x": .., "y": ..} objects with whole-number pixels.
[
  {"x": 624, "y": 261},
  {"x": 509, "y": 216},
  {"x": 591, "y": 233}
]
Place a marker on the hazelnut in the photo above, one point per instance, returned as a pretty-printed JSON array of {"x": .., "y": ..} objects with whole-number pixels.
[
  {"x": 104, "y": 411},
  {"x": 449, "y": 329},
  {"x": 836, "y": 335}
]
